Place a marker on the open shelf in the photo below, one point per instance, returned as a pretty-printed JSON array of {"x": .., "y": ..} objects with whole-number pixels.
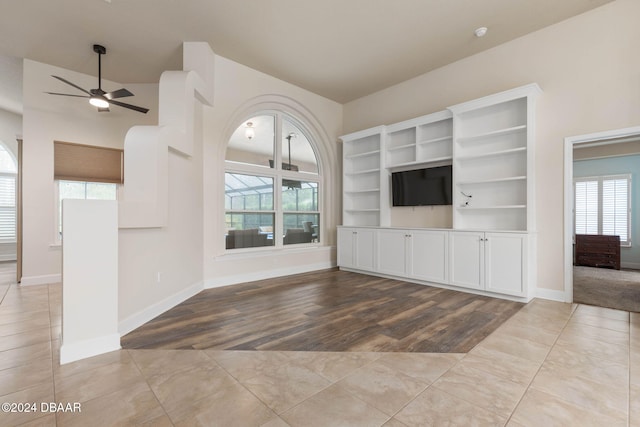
[
  {"x": 468, "y": 208},
  {"x": 492, "y": 180},
  {"x": 362, "y": 210},
  {"x": 371, "y": 190},
  {"x": 368, "y": 153},
  {"x": 362, "y": 172},
  {"x": 431, "y": 141},
  {"x": 488, "y": 135},
  {"x": 401, "y": 147},
  {"x": 492, "y": 153}
]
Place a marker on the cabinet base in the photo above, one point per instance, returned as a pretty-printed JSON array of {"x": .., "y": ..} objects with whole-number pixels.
[{"x": 443, "y": 286}]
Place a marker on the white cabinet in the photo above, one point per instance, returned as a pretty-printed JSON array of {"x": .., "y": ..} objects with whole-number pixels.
[
  {"x": 416, "y": 254},
  {"x": 430, "y": 255},
  {"x": 365, "y": 187},
  {"x": 495, "y": 262},
  {"x": 506, "y": 262},
  {"x": 393, "y": 252},
  {"x": 493, "y": 161},
  {"x": 467, "y": 259},
  {"x": 356, "y": 248}
]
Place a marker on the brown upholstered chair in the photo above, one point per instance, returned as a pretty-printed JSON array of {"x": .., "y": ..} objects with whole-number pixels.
[
  {"x": 249, "y": 238},
  {"x": 297, "y": 235}
]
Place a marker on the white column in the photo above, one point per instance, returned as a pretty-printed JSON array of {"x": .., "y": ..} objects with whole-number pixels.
[{"x": 89, "y": 279}]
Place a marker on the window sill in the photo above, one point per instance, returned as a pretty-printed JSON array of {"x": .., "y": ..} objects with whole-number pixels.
[{"x": 271, "y": 251}]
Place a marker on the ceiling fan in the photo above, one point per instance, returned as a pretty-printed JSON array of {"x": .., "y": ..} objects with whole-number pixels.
[{"x": 98, "y": 97}]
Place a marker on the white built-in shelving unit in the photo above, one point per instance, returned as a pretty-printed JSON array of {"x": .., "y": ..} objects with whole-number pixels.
[
  {"x": 493, "y": 161},
  {"x": 491, "y": 247},
  {"x": 364, "y": 188},
  {"x": 420, "y": 142}
]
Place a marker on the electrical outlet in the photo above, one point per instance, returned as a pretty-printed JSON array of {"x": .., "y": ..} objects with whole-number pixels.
[{"x": 158, "y": 276}]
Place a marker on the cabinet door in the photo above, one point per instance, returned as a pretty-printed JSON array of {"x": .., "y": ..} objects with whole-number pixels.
[
  {"x": 365, "y": 244},
  {"x": 346, "y": 247},
  {"x": 392, "y": 253},
  {"x": 429, "y": 254},
  {"x": 505, "y": 263},
  {"x": 466, "y": 257}
]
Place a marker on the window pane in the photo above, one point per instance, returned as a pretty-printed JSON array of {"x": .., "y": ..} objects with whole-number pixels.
[
  {"x": 615, "y": 208},
  {"x": 299, "y": 195},
  {"x": 248, "y": 192},
  {"x": 72, "y": 190},
  {"x": 301, "y": 228},
  {"x": 253, "y": 142},
  {"x": 296, "y": 149},
  {"x": 586, "y": 200},
  {"x": 248, "y": 230},
  {"x": 7, "y": 164},
  {"x": 101, "y": 191}
]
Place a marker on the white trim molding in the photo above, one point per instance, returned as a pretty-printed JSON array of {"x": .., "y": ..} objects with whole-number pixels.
[
  {"x": 610, "y": 136},
  {"x": 46, "y": 279},
  {"x": 88, "y": 348},
  {"x": 140, "y": 318},
  {"x": 551, "y": 294},
  {"x": 266, "y": 274}
]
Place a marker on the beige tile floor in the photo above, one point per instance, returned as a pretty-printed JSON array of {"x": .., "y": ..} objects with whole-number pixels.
[{"x": 550, "y": 364}]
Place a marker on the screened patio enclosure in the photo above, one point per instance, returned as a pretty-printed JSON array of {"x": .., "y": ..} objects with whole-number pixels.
[{"x": 253, "y": 218}]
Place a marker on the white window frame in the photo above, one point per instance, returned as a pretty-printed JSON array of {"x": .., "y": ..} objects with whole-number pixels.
[
  {"x": 278, "y": 174},
  {"x": 600, "y": 179}
]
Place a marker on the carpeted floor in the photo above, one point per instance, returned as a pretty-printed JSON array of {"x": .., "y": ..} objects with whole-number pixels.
[{"x": 619, "y": 289}]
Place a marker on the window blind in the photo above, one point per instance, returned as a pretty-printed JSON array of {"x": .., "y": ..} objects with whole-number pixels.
[
  {"x": 78, "y": 162},
  {"x": 7, "y": 207},
  {"x": 586, "y": 209},
  {"x": 615, "y": 208},
  {"x": 603, "y": 206}
]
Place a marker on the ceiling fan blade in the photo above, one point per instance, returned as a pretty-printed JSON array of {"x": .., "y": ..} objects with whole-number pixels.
[
  {"x": 71, "y": 84},
  {"x": 120, "y": 93},
  {"x": 129, "y": 106},
  {"x": 67, "y": 94}
]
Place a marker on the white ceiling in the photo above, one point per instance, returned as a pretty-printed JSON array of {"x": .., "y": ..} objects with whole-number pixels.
[{"x": 341, "y": 49}]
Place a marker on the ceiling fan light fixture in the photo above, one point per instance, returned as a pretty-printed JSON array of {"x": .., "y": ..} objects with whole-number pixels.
[{"x": 98, "y": 102}]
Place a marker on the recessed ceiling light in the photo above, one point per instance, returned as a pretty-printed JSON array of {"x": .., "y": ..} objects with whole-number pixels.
[{"x": 480, "y": 32}]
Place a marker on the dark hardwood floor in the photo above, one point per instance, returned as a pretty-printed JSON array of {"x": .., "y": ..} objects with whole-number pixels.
[{"x": 328, "y": 310}]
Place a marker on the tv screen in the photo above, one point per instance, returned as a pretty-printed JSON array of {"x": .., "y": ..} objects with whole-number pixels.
[{"x": 422, "y": 187}]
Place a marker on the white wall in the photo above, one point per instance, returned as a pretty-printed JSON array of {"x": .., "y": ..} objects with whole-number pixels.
[
  {"x": 589, "y": 70},
  {"x": 174, "y": 252},
  {"x": 238, "y": 90},
  {"x": 47, "y": 118}
]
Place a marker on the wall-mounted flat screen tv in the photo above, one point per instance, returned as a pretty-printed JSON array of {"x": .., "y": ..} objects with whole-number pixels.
[{"x": 422, "y": 187}]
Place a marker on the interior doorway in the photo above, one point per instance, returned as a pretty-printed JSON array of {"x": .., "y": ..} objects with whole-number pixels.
[{"x": 602, "y": 142}]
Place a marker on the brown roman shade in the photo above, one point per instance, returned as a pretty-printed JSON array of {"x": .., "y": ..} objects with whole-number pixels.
[{"x": 79, "y": 162}]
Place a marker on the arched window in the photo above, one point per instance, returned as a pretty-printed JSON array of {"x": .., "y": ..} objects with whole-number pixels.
[
  {"x": 272, "y": 184},
  {"x": 8, "y": 170}
]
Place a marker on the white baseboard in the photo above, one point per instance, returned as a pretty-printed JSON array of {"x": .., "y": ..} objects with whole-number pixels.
[
  {"x": 140, "y": 318},
  {"x": 634, "y": 265},
  {"x": 551, "y": 294},
  {"x": 266, "y": 274},
  {"x": 88, "y": 348},
  {"x": 41, "y": 280}
]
